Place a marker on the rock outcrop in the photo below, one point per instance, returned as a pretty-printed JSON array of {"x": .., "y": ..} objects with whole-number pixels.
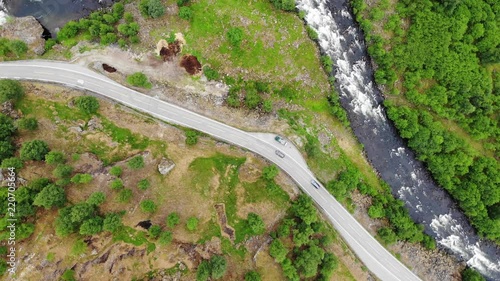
[
  {"x": 26, "y": 29},
  {"x": 165, "y": 166}
]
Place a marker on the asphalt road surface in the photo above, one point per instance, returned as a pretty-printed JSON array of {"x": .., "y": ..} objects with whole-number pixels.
[{"x": 376, "y": 258}]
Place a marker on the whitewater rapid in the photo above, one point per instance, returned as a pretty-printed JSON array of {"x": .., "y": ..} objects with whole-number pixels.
[{"x": 428, "y": 204}]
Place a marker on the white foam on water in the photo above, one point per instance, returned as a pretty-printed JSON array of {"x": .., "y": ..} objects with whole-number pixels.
[
  {"x": 3, "y": 17},
  {"x": 451, "y": 235},
  {"x": 350, "y": 76}
]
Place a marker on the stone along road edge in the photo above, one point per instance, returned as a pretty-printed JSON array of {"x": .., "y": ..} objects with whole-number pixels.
[{"x": 375, "y": 257}]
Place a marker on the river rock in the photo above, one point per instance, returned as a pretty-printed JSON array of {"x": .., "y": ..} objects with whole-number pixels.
[
  {"x": 26, "y": 29},
  {"x": 165, "y": 166}
]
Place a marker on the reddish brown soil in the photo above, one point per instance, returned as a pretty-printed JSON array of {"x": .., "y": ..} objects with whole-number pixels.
[
  {"x": 191, "y": 64},
  {"x": 108, "y": 68},
  {"x": 168, "y": 53}
]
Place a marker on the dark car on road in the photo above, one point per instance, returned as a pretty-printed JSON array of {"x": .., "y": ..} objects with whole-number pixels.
[
  {"x": 315, "y": 184},
  {"x": 280, "y": 154}
]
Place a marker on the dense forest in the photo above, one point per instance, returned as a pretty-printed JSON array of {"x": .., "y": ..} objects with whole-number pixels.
[{"x": 439, "y": 63}]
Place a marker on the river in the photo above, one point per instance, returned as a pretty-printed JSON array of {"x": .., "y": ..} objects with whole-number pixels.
[
  {"x": 428, "y": 204},
  {"x": 52, "y": 14}
]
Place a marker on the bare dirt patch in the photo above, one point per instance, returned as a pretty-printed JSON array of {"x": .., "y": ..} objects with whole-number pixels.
[{"x": 226, "y": 230}]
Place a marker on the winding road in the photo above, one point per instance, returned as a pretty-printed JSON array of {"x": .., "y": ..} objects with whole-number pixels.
[{"x": 375, "y": 257}]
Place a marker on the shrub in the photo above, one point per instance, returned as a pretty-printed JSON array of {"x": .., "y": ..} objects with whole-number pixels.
[
  {"x": 87, "y": 104},
  {"x": 203, "y": 271},
  {"x": 112, "y": 222},
  {"x": 235, "y": 36},
  {"x": 81, "y": 178},
  {"x": 181, "y": 3},
  {"x": 116, "y": 171},
  {"x": 128, "y": 17},
  {"x": 252, "y": 99},
  {"x": 12, "y": 162},
  {"x": 10, "y": 90},
  {"x": 470, "y": 274},
  {"x": 68, "y": 275},
  {"x": 117, "y": 184},
  {"x": 173, "y": 219},
  {"x": 270, "y": 172},
  {"x": 267, "y": 106},
  {"x": 387, "y": 235},
  {"x": 252, "y": 276},
  {"x": 312, "y": 33},
  {"x": 143, "y": 184},
  {"x": 192, "y": 223},
  {"x": 151, "y": 8},
  {"x": 186, "y": 13},
  {"x": 139, "y": 79},
  {"x": 28, "y": 123},
  {"x": 125, "y": 195},
  {"x": 91, "y": 226},
  {"x": 6, "y": 149},
  {"x": 96, "y": 198},
  {"x": 211, "y": 73},
  {"x": 148, "y": 206},
  {"x": 191, "y": 137},
  {"x": 218, "y": 265},
  {"x": 54, "y": 157},
  {"x": 49, "y": 44},
  {"x": 34, "y": 150},
  {"x": 50, "y": 196},
  {"x": 256, "y": 224},
  {"x": 18, "y": 47},
  {"x": 154, "y": 231},
  {"x": 165, "y": 238},
  {"x": 62, "y": 171},
  {"x": 7, "y": 127},
  {"x": 327, "y": 64},
  {"x": 136, "y": 163}
]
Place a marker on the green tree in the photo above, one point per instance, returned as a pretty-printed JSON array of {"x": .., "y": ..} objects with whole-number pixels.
[
  {"x": 328, "y": 266},
  {"x": 307, "y": 261},
  {"x": 6, "y": 149},
  {"x": 165, "y": 238},
  {"x": 7, "y": 127},
  {"x": 81, "y": 212},
  {"x": 218, "y": 265},
  {"x": 235, "y": 36},
  {"x": 278, "y": 251},
  {"x": 68, "y": 275},
  {"x": 28, "y": 123},
  {"x": 81, "y": 178},
  {"x": 116, "y": 171},
  {"x": 470, "y": 274},
  {"x": 267, "y": 106},
  {"x": 256, "y": 224},
  {"x": 191, "y": 137},
  {"x": 203, "y": 271},
  {"x": 270, "y": 172},
  {"x": 54, "y": 157},
  {"x": 87, "y": 104},
  {"x": 173, "y": 219},
  {"x": 12, "y": 162},
  {"x": 136, "y": 163},
  {"x": 96, "y": 198},
  {"x": 148, "y": 206},
  {"x": 186, "y": 13},
  {"x": 108, "y": 38},
  {"x": 151, "y": 8},
  {"x": 252, "y": 276},
  {"x": 10, "y": 90},
  {"x": 143, "y": 184},
  {"x": 192, "y": 223},
  {"x": 64, "y": 225},
  {"x": 62, "y": 171},
  {"x": 34, "y": 150},
  {"x": 125, "y": 195},
  {"x": 387, "y": 235},
  {"x": 154, "y": 231},
  {"x": 117, "y": 184},
  {"x": 18, "y": 47},
  {"x": 304, "y": 209},
  {"x": 50, "y": 196},
  {"x": 139, "y": 79},
  {"x": 91, "y": 226},
  {"x": 112, "y": 222}
]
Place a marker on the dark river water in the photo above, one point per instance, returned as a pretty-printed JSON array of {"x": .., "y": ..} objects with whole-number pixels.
[
  {"x": 53, "y": 14},
  {"x": 340, "y": 38}
]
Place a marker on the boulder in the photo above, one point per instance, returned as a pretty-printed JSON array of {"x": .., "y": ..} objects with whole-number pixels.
[
  {"x": 26, "y": 29},
  {"x": 165, "y": 166}
]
